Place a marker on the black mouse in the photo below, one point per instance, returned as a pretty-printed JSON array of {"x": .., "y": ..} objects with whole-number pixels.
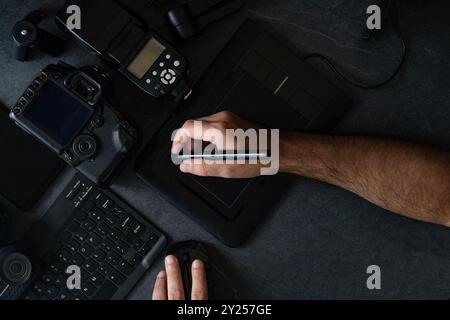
[
  {"x": 187, "y": 252},
  {"x": 220, "y": 283}
]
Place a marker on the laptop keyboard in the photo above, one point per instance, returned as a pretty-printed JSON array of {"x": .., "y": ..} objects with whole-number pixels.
[{"x": 105, "y": 241}]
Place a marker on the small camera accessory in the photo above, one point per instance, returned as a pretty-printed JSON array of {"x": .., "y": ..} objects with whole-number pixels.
[
  {"x": 16, "y": 273},
  {"x": 189, "y": 19},
  {"x": 67, "y": 109},
  {"x": 123, "y": 41},
  {"x": 27, "y": 35}
]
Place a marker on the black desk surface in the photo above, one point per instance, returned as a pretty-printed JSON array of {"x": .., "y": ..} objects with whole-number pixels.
[{"x": 320, "y": 240}]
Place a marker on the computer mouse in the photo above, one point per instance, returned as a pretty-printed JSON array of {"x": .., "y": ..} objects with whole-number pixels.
[
  {"x": 187, "y": 252},
  {"x": 220, "y": 284}
]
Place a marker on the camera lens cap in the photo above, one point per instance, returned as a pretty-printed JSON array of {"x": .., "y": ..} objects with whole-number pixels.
[
  {"x": 16, "y": 268},
  {"x": 85, "y": 147},
  {"x": 25, "y": 33}
]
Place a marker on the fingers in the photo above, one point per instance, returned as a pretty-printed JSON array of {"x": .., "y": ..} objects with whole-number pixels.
[
  {"x": 212, "y": 129},
  {"x": 199, "y": 283},
  {"x": 196, "y": 130},
  {"x": 204, "y": 169},
  {"x": 160, "y": 290},
  {"x": 175, "y": 290},
  {"x": 169, "y": 284}
]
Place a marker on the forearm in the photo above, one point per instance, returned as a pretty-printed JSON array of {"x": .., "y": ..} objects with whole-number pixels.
[{"x": 404, "y": 178}]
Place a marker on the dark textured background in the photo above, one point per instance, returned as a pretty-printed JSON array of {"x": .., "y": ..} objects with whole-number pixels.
[{"x": 321, "y": 239}]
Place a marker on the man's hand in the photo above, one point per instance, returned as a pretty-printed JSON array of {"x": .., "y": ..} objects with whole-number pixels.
[
  {"x": 169, "y": 283},
  {"x": 405, "y": 178},
  {"x": 218, "y": 123}
]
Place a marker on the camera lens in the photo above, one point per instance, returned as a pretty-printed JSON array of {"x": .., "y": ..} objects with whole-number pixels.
[
  {"x": 85, "y": 147},
  {"x": 16, "y": 268}
]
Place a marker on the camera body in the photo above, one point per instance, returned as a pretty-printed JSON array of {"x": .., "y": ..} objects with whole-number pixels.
[{"x": 67, "y": 109}]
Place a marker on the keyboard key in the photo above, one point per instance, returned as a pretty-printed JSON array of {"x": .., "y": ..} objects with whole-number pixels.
[
  {"x": 130, "y": 237},
  {"x": 107, "y": 204},
  {"x": 135, "y": 260},
  {"x": 144, "y": 250},
  {"x": 111, "y": 218},
  {"x": 122, "y": 248},
  {"x": 97, "y": 279},
  {"x": 150, "y": 238},
  {"x": 103, "y": 230},
  {"x": 113, "y": 258},
  {"x": 98, "y": 197},
  {"x": 107, "y": 245},
  {"x": 115, "y": 235},
  {"x": 88, "y": 289},
  {"x": 77, "y": 260},
  {"x": 118, "y": 210},
  {"x": 99, "y": 255},
  {"x": 138, "y": 244},
  {"x": 94, "y": 239},
  {"x": 74, "y": 190},
  {"x": 90, "y": 265},
  {"x": 96, "y": 214},
  {"x": 116, "y": 278},
  {"x": 106, "y": 292},
  {"x": 124, "y": 221},
  {"x": 125, "y": 268},
  {"x": 105, "y": 269},
  {"x": 81, "y": 235},
  {"x": 72, "y": 245},
  {"x": 86, "y": 250},
  {"x": 64, "y": 256},
  {"x": 89, "y": 225},
  {"x": 138, "y": 229}
]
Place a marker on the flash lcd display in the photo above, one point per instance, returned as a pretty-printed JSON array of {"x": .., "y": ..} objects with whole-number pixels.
[{"x": 145, "y": 59}]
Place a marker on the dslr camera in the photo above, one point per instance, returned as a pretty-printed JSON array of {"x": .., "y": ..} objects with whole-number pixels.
[{"x": 68, "y": 110}]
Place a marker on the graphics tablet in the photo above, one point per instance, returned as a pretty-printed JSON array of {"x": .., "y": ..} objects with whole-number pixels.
[{"x": 260, "y": 80}]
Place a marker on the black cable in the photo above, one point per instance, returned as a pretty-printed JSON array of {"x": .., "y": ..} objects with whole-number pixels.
[{"x": 359, "y": 85}]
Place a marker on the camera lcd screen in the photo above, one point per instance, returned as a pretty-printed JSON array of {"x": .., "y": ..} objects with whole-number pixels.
[
  {"x": 57, "y": 113},
  {"x": 146, "y": 58}
]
